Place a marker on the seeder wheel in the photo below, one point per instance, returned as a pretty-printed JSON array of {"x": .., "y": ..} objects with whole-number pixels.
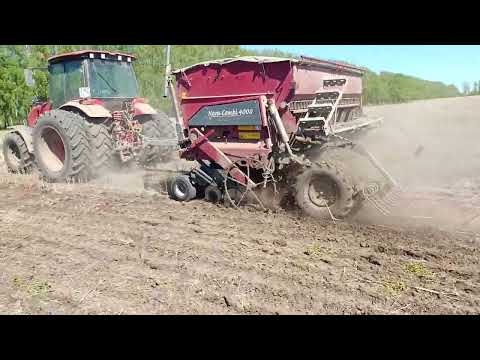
[
  {"x": 213, "y": 194},
  {"x": 181, "y": 189},
  {"x": 323, "y": 191}
]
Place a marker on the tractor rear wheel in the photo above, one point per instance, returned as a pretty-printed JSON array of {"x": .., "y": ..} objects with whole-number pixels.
[
  {"x": 159, "y": 127},
  {"x": 16, "y": 154},
  {"x": 101, "y": 144},
  {"x": 323, "y": 189},
  {"x": 61, "y": 147}
]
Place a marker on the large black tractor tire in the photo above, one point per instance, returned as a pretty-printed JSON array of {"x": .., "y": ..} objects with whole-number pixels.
[
  {"x": 102, "y": 149},
  {"x": 158, "y": 126},
  {"x": 16, "y": 155},
  {"x": 323, "y": 187},
  {"x": 62, "y": 148}
]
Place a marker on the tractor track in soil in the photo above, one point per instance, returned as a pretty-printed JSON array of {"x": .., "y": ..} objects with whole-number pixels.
[{"x": 97, "y": 249}]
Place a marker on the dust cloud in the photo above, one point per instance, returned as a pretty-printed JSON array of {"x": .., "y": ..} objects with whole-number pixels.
[
  {"x": 432, "y": 149},
  {"x": 432, "y": 143},
  {"x": 133, "y": 178}
]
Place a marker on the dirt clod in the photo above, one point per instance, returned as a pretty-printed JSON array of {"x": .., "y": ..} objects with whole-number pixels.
[
  {"x": 372, "y": 259},
  {"x": 280, "y": 242}
]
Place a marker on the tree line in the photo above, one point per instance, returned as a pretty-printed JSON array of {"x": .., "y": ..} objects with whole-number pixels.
[
  {"x": 468, "y": 89},
  {"x": 389, "y": 88},
  {"x": 16, "y": 97}
]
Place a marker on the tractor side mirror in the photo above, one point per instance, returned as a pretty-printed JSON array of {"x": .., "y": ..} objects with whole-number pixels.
[
  {"x": 37, "y": 100},
  {"x": 29, "y": 77}
]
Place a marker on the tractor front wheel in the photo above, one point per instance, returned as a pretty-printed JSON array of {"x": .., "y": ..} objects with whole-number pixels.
[
  {"x": 16, "y": 155},
  {"x": 61, "y": 147}
]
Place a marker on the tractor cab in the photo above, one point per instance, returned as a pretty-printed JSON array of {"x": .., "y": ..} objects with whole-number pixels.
[
  {"x": 91, "y": 74},
  {"x": 104, "y": 78}
]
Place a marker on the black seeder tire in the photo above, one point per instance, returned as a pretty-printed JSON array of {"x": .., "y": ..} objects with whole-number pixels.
[
  {"x": 16, "y": 155},
  {"x": 213, "y": 194},
  {"x": 181, "y": 189},
  {"x": 61, "y": 147},
  {"x": 158, "y": 126},
  {"x": 324, "y": 184},
  {"x": 102, "y": 148}
]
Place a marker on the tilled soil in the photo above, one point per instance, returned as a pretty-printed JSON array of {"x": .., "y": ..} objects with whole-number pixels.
[
  {"x": 84, "y": 249},
  {"x": 114, "y": 248}
]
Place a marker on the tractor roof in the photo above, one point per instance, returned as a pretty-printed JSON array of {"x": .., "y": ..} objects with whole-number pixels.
[{"x": 86, "y": 54}]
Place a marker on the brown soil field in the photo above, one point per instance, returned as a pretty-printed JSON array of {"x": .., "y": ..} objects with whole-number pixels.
[{"x": 112, "y": 247}]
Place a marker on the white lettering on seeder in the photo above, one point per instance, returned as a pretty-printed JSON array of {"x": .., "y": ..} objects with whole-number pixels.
[{"x": 230, "y": 113}]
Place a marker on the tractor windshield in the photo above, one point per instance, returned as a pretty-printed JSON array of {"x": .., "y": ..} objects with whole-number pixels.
[{"x": 112, "y": 79}]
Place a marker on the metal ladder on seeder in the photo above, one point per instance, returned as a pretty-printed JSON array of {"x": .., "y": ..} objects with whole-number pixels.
[{"x": 325, "y": 104}]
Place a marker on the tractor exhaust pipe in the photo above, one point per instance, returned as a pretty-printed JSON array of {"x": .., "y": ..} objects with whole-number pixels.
[{"x": 168, "y": 69}]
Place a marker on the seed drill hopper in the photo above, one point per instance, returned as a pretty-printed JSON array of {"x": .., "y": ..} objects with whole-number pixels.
[{"x": 261, "y": 128}]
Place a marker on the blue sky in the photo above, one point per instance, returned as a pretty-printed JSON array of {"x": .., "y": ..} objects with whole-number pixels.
[{"x": 451, "y": 64}]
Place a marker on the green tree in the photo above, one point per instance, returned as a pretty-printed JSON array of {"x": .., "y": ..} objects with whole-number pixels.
[{"x": 15, "y": 95}]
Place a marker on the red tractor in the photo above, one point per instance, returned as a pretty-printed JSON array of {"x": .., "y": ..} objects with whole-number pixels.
[{"x": 93, "y": 121}]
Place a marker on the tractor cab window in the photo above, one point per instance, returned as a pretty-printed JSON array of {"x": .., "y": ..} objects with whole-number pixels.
[
  {"x": 112, "y": 79},
  {"x": 66, "y": 78},
  {"x": 56, "y": 84},
  {"x": 73, "y": 79}
]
